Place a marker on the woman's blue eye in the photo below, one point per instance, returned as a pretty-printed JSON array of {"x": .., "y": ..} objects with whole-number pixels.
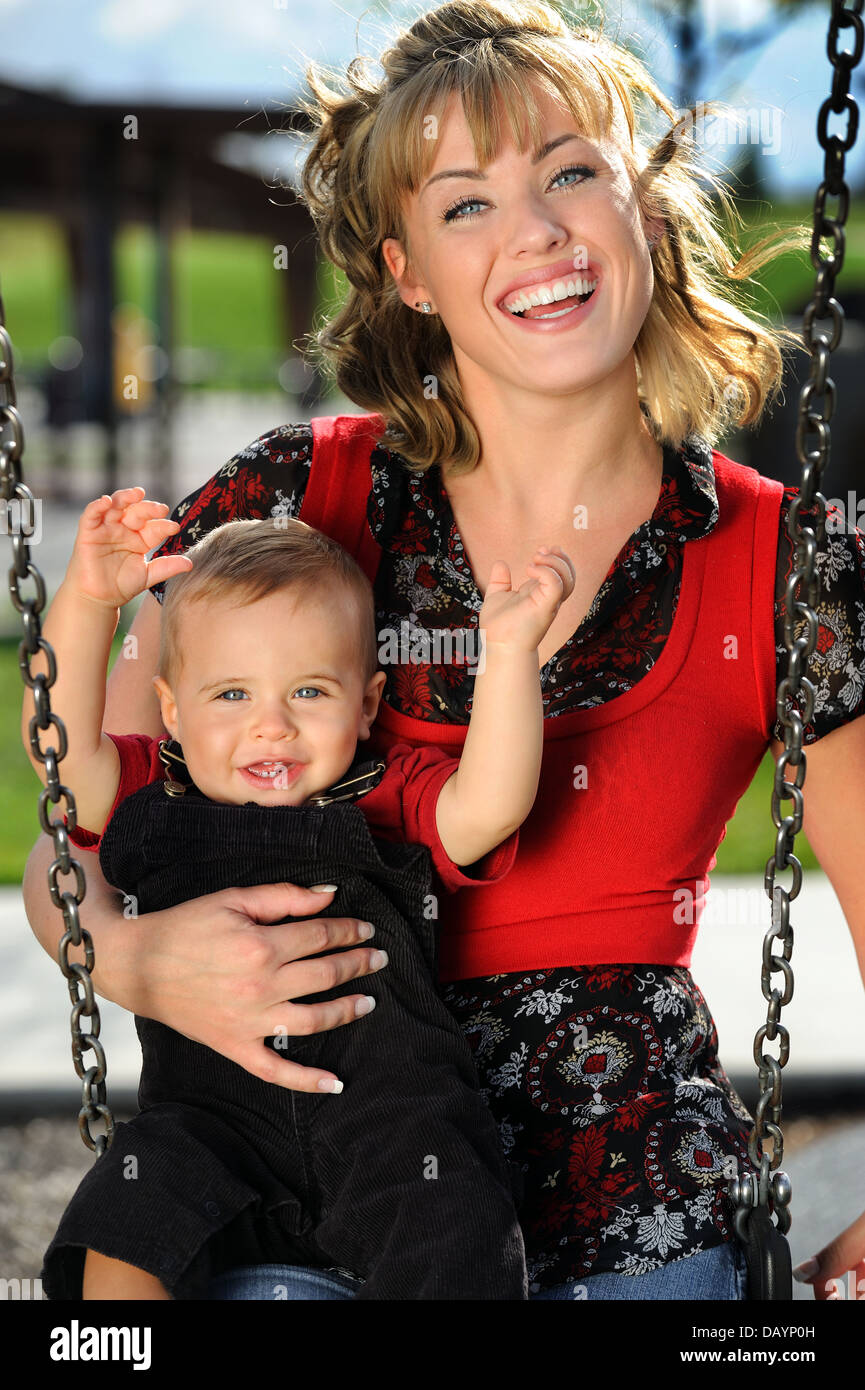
[{"x": 450, "y": 215}]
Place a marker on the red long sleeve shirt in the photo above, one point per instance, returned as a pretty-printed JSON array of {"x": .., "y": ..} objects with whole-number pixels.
[{"x": 400, "y": 807}]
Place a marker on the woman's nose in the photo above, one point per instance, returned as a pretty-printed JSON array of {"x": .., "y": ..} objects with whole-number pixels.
[{"x": 536, "y": 225}]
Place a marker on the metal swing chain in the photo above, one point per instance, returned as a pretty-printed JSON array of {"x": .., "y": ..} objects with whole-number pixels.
[
  {"x": 757, "y": 1188},
  {"x": 20, "y": 505}
]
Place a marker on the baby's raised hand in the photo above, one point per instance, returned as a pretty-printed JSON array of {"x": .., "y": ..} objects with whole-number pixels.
[
  {"x": 521, "y": 617},
  {"x": 114, "y": 535}
]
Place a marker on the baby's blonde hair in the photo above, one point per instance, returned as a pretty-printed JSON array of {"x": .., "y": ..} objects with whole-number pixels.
[
  {"x": 245, "y": 560},
  {"x": 705, "y": 362}
]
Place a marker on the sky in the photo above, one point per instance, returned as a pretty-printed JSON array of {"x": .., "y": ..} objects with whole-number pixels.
[{"x": 253, "y": 52}]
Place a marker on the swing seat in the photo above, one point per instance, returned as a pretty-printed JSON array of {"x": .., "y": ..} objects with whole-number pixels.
[{"x": 767, "y": 1251}]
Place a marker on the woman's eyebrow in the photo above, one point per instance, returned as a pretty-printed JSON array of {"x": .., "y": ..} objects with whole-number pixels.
[{"x": 477, "y": 174}]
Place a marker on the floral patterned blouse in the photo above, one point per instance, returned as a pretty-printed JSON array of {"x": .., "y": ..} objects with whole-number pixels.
[{"x": 624, "y": 1148}]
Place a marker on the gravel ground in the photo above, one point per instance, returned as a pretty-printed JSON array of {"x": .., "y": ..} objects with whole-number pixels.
[
  {"x": 43, "y": 1160},
  {"x": 41, "y": 1164}
]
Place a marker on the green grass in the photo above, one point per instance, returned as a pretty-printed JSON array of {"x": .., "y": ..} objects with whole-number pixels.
[
  {"x": 34, "y": 285},
  {"x": 749, "y": 841},
  {"x": 228, "y": 300},
  {"x": 788, "y": 282}
]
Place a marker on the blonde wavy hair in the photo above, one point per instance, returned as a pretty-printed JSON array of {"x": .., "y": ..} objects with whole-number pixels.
[{"x": 705, "y": 360}]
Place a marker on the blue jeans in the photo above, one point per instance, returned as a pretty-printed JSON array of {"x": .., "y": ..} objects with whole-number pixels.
[{"x": 718, "y": 1273}]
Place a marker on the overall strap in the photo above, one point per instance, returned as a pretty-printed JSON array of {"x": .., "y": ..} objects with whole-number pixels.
[{"x": 336, "y": 493}]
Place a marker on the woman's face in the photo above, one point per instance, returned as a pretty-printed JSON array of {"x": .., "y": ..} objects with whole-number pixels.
[{"x": 572, "y": 216}]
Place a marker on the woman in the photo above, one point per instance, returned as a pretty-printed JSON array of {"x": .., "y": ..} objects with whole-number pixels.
[{"x": 501, "y": 152}]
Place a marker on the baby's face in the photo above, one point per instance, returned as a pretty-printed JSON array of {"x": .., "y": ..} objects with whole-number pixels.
[{"x": 270, "y": 700}]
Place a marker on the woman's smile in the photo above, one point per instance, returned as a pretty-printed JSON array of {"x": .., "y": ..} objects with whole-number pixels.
[{"x": 557, "y": 317}]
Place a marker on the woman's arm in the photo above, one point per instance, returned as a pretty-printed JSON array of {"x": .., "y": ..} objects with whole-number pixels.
[
  {"x": 215, "y": 968},
  {"x": 834, "y": 822},
  {"x": 834, "y": 818}
]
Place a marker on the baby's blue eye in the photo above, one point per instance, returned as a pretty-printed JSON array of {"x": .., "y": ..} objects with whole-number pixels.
[{"x": 228, "y": 695}]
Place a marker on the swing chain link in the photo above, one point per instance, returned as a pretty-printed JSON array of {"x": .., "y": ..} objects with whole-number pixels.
[
  {"x": 759, "y": 1188},
  {"x": 21, "y": 526}
]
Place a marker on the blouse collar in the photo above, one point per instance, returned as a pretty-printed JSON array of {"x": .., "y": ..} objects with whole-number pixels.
[{"x": 408, "y": 509}]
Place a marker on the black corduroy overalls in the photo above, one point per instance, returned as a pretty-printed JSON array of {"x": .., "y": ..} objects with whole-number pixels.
[{"x": 399, "y": 1179}]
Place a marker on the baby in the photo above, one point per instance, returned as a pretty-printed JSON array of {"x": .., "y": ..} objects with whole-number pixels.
[{"x": 268, "y": 683}]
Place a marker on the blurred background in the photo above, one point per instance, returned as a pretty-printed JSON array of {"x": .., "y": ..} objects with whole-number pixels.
[{"x": 159, "y": 277}]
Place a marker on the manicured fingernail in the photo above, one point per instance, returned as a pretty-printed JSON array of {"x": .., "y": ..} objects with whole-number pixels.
[
  {"x": 323, "y": 888},
  {"x": 364, "y": 1006},
  {"x": 331, "y": 1085},
  {"x": 806, "y": 1270},
  {"x": 378, "y": 959},
  {"x": 365, "y": 930}
]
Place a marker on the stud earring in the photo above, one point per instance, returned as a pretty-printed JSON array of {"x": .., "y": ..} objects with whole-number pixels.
[{"x": 425, "y": 306}]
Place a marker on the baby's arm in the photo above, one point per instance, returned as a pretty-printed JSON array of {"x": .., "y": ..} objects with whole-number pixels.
[
  {"x": 494, "y": 788},
  {"x": 106, "y": 570},
  {"x": 81, "y": 635}
]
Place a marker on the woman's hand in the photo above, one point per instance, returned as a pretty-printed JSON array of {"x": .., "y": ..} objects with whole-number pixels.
[
  {"x": 522, "y": 617},
  {"x": 827, "y": 1271},
  {"x": 216, "y": 970},
  {"x": 114, "y": 535}
]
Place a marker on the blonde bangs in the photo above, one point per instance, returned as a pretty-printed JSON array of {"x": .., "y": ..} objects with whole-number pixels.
[{"x": 402, "y": 151}]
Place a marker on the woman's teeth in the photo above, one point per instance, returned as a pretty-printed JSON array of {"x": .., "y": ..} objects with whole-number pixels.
[{"x": 550, "y": 294}]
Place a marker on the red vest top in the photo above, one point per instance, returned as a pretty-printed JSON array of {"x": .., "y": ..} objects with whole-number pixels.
[{"x": 634, "y": 795}]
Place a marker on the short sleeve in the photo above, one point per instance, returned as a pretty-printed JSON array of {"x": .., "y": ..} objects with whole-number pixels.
[
  {"x": 139, "y": 764},
  {"x": 267, "y": 478},
  {"x": 837, "y": 667},
  {"x": 414, "y": 779}
]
